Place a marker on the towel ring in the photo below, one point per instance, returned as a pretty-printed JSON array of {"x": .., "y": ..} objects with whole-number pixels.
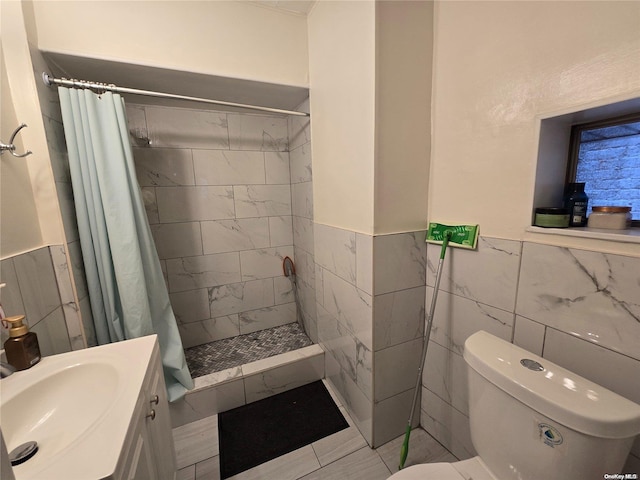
[{"x": 11, "y": 147}]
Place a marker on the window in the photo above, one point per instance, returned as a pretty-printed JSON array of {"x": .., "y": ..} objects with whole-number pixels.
[{"x": 605, "y": 155}]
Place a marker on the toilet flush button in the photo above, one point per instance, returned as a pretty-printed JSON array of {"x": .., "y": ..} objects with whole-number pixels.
[{"x": 531, "y": 364}]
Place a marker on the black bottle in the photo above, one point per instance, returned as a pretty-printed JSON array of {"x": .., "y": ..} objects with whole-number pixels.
[{"x": 575, "y": 200}]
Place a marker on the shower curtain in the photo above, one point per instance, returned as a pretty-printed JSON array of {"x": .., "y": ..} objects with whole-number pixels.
[{"x": 128, "y": 295}]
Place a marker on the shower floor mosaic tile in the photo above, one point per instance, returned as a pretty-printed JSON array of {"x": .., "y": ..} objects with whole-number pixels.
[{"x": 236, "y": 351}]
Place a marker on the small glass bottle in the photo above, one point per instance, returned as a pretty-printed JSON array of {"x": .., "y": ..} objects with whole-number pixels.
[{"x": 575, "y": 200}]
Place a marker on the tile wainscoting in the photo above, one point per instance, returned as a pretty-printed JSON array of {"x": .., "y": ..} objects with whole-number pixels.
[
  {"x": 38, "y": 285},
  {"x": 370, "y": 302},
  {"x": 78, "y": 305},
  {"x": 577, "y": 308}
]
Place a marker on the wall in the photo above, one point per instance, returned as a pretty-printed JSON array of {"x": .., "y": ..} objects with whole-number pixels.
[
  {"x": 371, "y": 91},
  {"x": 344, "y": 291},
  {"x": 404, "y": 45},
  {"x": 368, "y": 82},
  {"x": 39, "y": 287},
  {"x": 217, "y": 190},
  {"x": 264, "y": 54},
  {"x": 78, "y": 309},
  {"x": 342, "y": 85},
  {"x": 342, "y": 96},
  {"x": 573, "y": 301},
  {"x": 498, "y": 68},
  {"x": 226, "y": 38},
  {"x": 575, "y": 307},
  {"x": 49, "y": 173},
  {"x": 301, "y": 169},
  {"x": 20, "y": 226},
  {"x": 35, "y": 263},
  {"x": 22, "y": 87}
]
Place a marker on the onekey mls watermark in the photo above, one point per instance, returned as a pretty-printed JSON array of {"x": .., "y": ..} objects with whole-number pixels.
[{"x": 621, "y": 476}]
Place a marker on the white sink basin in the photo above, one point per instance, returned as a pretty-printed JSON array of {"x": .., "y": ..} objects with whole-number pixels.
[
  {"x": 77, "y": 407},
  {"x": 42, "y": 411}
]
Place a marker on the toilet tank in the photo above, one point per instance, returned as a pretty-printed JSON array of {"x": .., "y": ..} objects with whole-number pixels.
[{"x": 531, "y": 419}]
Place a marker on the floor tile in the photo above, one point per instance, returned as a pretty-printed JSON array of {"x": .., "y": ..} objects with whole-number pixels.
[
  {"x": 186, "y": 473},
  {"x": 196, "y": 441},
  {"x": 343, "y": 455},
  {"x": 208, "y": 469},
  {"x": 287, "y": 467},
  {"x": 333, "y": 394},
  {"x": 423, "y": 448},
  {"x": 364, "y": 464},
  {"x": 336, "y": 446}
]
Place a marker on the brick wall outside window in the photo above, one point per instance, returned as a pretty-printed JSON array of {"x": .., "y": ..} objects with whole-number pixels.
[{"x": 610, "y": 167}]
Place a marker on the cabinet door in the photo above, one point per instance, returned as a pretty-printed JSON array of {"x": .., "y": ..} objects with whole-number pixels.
[
  {"x": 140, "y": 462},
  {"x": 159, "y": 426}
]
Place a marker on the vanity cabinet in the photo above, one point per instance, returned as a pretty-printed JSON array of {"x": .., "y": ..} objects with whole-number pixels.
[{"x": 148, "y": 452}]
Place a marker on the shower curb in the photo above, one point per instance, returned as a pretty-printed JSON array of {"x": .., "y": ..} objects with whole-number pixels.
[{"x": 221, "y": 391}]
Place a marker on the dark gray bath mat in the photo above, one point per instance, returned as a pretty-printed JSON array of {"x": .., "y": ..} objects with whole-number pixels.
[{"x": 266, "y": 429}]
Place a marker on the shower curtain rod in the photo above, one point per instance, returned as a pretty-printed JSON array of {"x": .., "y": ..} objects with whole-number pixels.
[{"x": 104, "y": 87}]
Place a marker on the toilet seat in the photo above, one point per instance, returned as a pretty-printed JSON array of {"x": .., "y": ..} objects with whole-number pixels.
[{"x": 473, "y": 468}]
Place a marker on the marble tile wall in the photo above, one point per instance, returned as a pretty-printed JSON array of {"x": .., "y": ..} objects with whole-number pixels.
[
  {"x": 78, "y": 309},
  {"x": 344, "y": 305},
  {"x": 226, "y": 205},
  {"x": 301, "y": 174},
  {"x": 370, "y": 303},
  {"x": 577, "y": 308},
  {"x": 399, "y": 278},
  {"x": 38, "y": 285},
  {"x": 217, "y": 187}
]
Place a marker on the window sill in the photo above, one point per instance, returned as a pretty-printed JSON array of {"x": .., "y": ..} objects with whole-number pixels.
[{"x": 631, "y": 235}]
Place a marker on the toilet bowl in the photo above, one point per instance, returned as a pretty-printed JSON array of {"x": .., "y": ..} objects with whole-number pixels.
[
  {"x": 531, "y": 419},
  {"x": 472, "y": 468}
]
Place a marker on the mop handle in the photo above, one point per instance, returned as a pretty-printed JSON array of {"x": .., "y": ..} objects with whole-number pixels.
[{"x": 427, "y": 334}]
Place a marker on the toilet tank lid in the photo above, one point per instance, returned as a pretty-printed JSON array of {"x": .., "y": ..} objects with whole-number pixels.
[{"x": 553, "y": 391}]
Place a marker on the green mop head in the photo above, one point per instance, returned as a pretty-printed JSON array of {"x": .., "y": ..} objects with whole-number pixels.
[{"x": 462, "y": 236}]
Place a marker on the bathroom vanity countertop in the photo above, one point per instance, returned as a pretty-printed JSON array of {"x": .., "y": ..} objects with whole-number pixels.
[{"x": 77, "y": 406}]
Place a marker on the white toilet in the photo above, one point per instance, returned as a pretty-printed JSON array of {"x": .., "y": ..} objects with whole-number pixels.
[{"x": 533, "y": 420}]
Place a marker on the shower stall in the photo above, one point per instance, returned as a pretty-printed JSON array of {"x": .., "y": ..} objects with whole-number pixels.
[{"x": 229, "y": 197}]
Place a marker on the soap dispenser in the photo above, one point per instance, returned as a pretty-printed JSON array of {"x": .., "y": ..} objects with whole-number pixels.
[{"x": 22, "y": 347}]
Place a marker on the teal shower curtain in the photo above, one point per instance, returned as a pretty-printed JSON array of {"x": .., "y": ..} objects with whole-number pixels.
[{"x": 128, "y": 295}]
